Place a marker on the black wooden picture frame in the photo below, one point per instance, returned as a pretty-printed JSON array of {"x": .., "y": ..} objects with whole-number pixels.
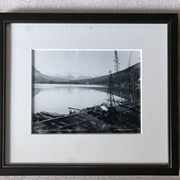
[{"x": 171, "y": 20}]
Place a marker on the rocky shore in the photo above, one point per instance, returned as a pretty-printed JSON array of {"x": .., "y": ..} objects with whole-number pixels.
[{"x": 124, "y": 118}]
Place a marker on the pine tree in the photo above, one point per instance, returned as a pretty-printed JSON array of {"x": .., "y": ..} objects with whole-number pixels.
[{"x": 116, "y": 60}]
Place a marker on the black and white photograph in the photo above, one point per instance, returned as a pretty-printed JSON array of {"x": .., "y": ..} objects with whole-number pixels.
[{"x": 86, "y": 91}]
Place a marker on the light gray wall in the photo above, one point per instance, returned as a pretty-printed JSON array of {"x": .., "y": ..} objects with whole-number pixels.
[{"x": 92, "y": 6}]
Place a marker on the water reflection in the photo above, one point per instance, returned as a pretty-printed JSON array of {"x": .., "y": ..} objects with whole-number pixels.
[{"x": 58, "y": 97}]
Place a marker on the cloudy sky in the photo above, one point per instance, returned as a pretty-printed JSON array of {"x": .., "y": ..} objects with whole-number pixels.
[{"x": 82, "y": 62}]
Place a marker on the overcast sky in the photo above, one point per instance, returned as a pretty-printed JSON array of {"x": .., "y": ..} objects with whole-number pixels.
[{"x": 82, "y": 62}]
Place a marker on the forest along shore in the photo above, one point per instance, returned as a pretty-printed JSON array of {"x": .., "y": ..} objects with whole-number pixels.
[{"x": 122, "y": 118}]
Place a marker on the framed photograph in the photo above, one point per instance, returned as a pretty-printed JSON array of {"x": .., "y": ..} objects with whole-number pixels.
[{"x": 89, "y": 94}]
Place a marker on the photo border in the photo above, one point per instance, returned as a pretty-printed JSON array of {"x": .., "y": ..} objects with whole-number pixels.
[{"x": 32, "y": 102}]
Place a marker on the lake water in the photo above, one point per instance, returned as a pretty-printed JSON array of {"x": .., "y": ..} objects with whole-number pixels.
[{"x": 58, "y": 97}]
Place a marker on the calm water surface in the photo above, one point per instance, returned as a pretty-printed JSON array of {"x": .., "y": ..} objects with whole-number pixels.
[{"x": 58, "y": 97}]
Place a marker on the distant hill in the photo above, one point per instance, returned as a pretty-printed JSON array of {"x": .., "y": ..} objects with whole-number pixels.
[
  {"x": 133, "y": 71},
  {"x": 71, "y": 76},
  {"x": 41, "y": 78}
]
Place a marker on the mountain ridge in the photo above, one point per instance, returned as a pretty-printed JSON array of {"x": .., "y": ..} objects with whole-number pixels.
[{"x": 38, "y": 77}]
